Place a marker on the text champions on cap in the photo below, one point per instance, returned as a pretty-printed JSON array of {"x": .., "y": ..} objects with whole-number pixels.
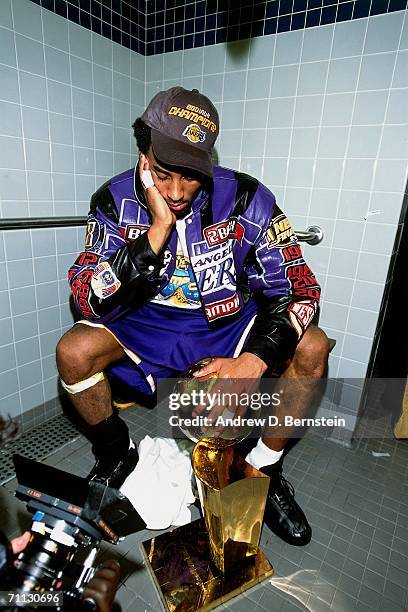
[{"x": 193, "y": 115}]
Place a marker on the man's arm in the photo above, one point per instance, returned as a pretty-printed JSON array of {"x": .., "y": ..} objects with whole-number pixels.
[
  {"x": 111, "y": 272},
  {"x": 285, "y": 290}
]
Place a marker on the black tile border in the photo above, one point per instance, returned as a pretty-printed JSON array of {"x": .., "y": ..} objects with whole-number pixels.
[
  {"x": 230, "y": 21},
  {"x": 163, "y": 26},
  {"x": 122, "y": 21}
]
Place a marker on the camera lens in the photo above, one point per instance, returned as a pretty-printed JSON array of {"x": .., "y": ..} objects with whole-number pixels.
[{"x": 40, "y": 564}]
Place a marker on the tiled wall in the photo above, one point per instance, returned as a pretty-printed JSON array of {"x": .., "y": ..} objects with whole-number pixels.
[
  {"x": 67, "y": 100},
  {"x": 320, "y": 115},
  {"x": 122, "y": 21},
  {"x": 173, "y": 25},
  {"x": 156, "y": 26}
]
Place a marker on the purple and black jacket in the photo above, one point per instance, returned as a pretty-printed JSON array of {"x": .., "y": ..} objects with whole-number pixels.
[{"x": 241, "y": 247}]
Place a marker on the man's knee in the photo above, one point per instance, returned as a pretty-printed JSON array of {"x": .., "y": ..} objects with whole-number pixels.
[
  {"x": 83, "y": 351},
  {"x": 74, "y": 354},
  {"x": 312, "y": 352}
]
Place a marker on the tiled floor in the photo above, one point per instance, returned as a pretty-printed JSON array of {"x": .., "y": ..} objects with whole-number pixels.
[{"x": 358, "y": 507}]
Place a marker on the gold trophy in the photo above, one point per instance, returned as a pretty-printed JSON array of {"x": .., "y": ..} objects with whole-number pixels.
[{"x": 206, "y": 563}]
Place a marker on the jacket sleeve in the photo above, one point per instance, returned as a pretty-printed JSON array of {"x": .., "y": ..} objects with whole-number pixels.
[
  {"x": 111, "y": 272},
  {"x": 6, "y": 558},
  {"x": 285, "y": 290}
]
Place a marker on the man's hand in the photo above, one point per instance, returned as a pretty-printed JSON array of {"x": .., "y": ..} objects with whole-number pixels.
[
  {"x": 19, "y": 544},
  {"x": 103, "y": 586},
  {"x": 246, "y": 365},
  {"x": 163, "y": 218},
  {"x": 236, "y": 376}
]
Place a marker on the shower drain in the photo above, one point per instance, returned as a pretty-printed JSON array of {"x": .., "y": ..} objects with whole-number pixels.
[{"x": 37, "y": 444}]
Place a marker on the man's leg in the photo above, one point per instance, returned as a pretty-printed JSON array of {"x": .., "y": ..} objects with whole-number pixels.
[
  {"x": 283, "y": 515},
  {"x": 82, "y": 355}
]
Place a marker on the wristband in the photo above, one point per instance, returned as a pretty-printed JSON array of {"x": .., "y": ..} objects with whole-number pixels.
[{"x": 147, "y": 180}]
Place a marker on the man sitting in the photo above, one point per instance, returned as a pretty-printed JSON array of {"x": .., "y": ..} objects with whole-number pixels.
[{"x": 185, "y": 260}]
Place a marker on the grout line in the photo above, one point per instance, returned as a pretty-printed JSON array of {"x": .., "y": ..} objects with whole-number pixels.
[
  {"x": 342, "y": 181},
  {"x": 268, "y": 107},
  {"x": 328, "y": 94},
  {"x": 52, "y": 189},
  {"x": 319, "y": 131},
  {"x": 5, "y": 242},
  {"x": 373, "y": 177}
]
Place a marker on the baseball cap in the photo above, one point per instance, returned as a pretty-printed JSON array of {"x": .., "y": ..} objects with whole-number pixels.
[{"x": 184, "y": 126}]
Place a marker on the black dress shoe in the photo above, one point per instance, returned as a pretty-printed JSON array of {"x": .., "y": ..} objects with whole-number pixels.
[
  {"x": 282, "y": 514},
  {"x": 113, "y": 472}
]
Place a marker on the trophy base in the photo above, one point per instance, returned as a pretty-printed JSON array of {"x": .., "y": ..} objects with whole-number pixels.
[{"x": 187, "y": 580}]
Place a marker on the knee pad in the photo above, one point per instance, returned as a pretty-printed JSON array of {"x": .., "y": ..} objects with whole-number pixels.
[{"x": 82, "y": 385}]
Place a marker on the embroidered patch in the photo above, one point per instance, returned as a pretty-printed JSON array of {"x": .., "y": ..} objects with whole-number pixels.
[
  {"x": 301, "y": 314},
  {"x": 104, "y": 281},
  {"x": 81, "y": 290},
  {"x": 94, "y": 231},
  {"x": 280, "y": 232},
  {"x": 223, "y": 231},
  {"x": 302, "y": 281},
  {"x": 132, "y": 232},
  {"x": 194, "y": 133},
  {"x": 223, "y": 308}
]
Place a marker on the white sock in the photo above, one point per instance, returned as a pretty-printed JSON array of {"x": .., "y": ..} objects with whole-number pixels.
[{"x": 261, "y": 455}]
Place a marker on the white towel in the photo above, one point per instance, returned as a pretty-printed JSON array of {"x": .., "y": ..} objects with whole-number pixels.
[{"x": 159, "y": 487}]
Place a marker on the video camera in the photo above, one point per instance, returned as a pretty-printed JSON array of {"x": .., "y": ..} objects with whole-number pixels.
[{"x": 71, "y": 517}]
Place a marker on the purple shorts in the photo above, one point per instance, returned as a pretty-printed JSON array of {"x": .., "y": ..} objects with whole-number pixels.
[{"x": 162, "y": 342}]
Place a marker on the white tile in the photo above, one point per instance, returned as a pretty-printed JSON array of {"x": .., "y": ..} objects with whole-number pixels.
[
  {"x": 101, "y": 50},
  {"x": 9, "y": 81},
  {"x": 328, "y": 173},
  {"x": 362, "y": 322},
  {"x": 27, "y": 19},
  {"x": 376, "y": 71},
  {"x": 349, "y": 38},
  {"x": 154, "y": 67},
  {"x": 30, "y": 55},
  {"x": 262, "y": 51},
  {"x": 55, "y": 30},
  {"x": 317, "y": 43},
  {"x": 370, "y": 107},
  {"x": 348, "y": 234},
  {"x": 357, "y": 348},
  {"x": 334, "y": 316},
  {"x": 339, "y": 290},
  {"x": 391, "y": 175},
  {"x": 367, "y": 295},
  {"x": 7, "y": 48},
  {"x": 312, "y": 78},
  {"x": 383, "y": 32},
  {"x": 192, "y": 63},
  {"x": 379, "y": 239},
  {"x": 6, "y": 18},
  {"x": 358, "y": 173},
  {"x": 288, "y": 47},
  {"x": 343, "y": 262}
]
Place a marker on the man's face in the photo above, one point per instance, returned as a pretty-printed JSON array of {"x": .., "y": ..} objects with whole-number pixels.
[{"x": 178, "y": 188}]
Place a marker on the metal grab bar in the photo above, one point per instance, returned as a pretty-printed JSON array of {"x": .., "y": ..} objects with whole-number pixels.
[
  {"x": 313, "y": 235},
  {"x": 40, "y": 222}
]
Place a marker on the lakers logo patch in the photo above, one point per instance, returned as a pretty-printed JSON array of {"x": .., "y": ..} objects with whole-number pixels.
[{"x": 194, "y": 133}]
